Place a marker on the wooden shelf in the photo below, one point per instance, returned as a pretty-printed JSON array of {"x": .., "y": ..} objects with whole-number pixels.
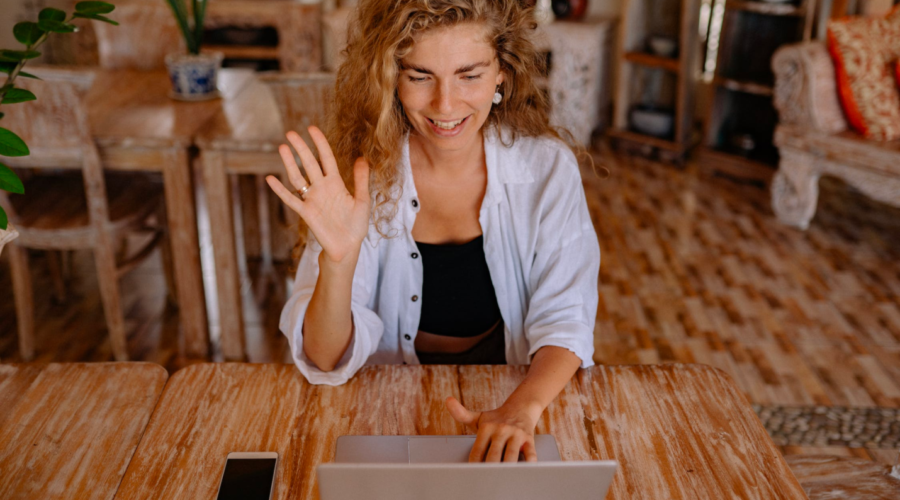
[
  {"x": 640, "y": 83},
  {"x": 243, "y": 52},
  {"x": 766, "y": 8},
  {"x": 736, "y": 166},
  {"x": 653, "y": 61},
  {"x": 745, "y": 86},
  {"x": 656, "y": 142}
]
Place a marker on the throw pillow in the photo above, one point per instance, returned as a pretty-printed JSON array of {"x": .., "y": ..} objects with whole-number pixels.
[{"x": 862, "y": 50}]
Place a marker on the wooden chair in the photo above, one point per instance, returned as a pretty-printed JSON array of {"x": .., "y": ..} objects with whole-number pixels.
[
  {"x": 66, "y": 211},
  {"x": 147, "y": 32}
]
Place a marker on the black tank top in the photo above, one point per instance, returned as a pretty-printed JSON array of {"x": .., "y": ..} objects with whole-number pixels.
[{"x": 458, "y": 298}]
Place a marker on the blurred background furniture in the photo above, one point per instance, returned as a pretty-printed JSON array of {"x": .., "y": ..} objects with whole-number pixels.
[
  {"x": 741, "y": 118},
  {"x": 814, "y": 140},
  {"x": 579, "y": 76},
  {"x": 658, "y": 68},
  {"x": 69, "y": 212},
  {"x": 137, "y": 127},
  {"x": 260, "y": 34},
  {"x": 243, "y": 139},
  {"x": 128, "y": 48}
]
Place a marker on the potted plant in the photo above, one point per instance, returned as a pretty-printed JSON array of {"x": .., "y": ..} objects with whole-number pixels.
[
  {"x": 194, "y": 75},
  {"x": 32, "y": 35}
]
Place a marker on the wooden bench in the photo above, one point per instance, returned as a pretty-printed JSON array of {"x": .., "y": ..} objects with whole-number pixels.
[{"x": 814, "y": 140}]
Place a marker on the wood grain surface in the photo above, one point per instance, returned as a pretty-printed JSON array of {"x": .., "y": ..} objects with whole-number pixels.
[
  {"x": 69, "y": 430},
  {"x": 678, "y": 431}
]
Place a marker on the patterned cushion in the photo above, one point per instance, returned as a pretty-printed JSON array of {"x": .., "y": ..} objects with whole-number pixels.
[{"x": 863, "y": 50}]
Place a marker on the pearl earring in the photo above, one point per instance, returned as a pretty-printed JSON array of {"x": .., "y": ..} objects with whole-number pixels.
[{"x": 497, "y": 96}]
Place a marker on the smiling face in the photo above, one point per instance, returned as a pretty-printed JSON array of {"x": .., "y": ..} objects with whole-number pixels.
[{"x": 447, "y": 84}]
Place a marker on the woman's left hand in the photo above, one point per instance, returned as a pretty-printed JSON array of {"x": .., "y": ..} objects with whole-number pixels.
[{"x": 501, "y": 433}]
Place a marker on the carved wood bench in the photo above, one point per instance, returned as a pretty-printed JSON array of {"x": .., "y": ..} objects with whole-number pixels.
[{"x": 813, "y": 138}]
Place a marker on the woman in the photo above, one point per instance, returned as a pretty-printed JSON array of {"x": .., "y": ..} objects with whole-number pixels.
[{"x": 476, "y": 247}]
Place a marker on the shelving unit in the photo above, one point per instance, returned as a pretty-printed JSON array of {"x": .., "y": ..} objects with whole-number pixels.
[
  {"x": 651, "y": 80},
  {"x": 742, "y": 118}
]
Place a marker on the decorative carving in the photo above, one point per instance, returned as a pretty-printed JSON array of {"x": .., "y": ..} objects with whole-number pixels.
[
  {"x": 795, "y": 189},
  {"x": 805, "y": 88}
]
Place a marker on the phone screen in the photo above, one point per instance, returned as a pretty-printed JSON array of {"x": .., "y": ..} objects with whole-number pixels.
[{"x": 247, "y": 479}]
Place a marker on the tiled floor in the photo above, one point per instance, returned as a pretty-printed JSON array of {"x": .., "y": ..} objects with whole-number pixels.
[{"x": 694, "y": 270}]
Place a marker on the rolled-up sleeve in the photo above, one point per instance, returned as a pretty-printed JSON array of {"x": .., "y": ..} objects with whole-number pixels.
[
  {"x": 562, "y": 281},
  {"x": 367, "y": 326}
]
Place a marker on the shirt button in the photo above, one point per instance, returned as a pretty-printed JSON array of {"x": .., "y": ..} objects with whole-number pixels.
[
  {"x": 415, "y": 255},
  {"x": 407, "y": 337},
  {"x": 415, "y": 298},
  {"x": 415, "y": 203}
]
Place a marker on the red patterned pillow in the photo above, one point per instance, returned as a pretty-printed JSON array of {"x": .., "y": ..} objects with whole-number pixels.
[{"x": 863, "y": 49}]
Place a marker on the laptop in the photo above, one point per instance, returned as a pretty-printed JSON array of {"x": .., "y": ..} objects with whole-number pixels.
[{"x": 437, "y": 468}]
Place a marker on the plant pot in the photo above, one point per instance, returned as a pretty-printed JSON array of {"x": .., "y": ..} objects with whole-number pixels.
[
  {"x": 7, "y": 235},
  {"x": 194, "y": 77}
]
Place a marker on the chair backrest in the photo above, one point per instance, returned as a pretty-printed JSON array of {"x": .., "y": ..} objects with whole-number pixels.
[
  {"x": 147, "y": 32},
  {"x": 303, "y": 99},
  {"x": 57, "y": 131}
]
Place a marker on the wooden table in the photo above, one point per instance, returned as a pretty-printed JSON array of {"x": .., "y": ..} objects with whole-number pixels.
[
  {"x": 678, "y": 431},
  {"x": 139, "y": 128},
  {"x": 69, "y": 430},
  {"x": 242, "y": 138}
]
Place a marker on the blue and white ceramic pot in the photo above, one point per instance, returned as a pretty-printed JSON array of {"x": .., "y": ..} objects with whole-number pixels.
[{"x": 194, "y": 76}]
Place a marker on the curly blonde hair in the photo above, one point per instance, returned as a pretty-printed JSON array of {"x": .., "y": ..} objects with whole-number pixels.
[{"x": 367, "y": 117}]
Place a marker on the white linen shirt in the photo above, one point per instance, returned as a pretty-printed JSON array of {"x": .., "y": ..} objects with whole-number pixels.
[{"x": 541, "y": 251}]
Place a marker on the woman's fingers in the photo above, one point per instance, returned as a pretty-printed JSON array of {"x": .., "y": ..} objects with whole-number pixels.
[
  {"x": 329, "y": 164},
  {"x": 361, "y": 180},
  {"x": 310, "y": 165},
  {"x": 482, "y": 440},
  {"x": 513, "y": 447},
  {"x": 286, "y": 195},
  {"x": 499, "y": 440},
  {"x": 529, "y": 450},
  {"x": 290, "y": 166}
]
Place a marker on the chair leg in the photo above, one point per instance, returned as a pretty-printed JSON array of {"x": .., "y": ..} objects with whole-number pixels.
[
  {"x": 24, "y": 297},
  {"x": 54, "y": 263},
  {"x": 165, "y": 251},
  {"x": 105, "y": 259}
]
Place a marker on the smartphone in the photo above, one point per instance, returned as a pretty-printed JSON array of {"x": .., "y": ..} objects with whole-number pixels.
[{"x": 248, "y": 476}]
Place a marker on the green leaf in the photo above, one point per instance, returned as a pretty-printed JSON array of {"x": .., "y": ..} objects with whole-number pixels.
[
  {"x": 2, "y": 115},
  {"x": 18, "y": 55},
  {"x": 11, "y": 144},
  {"x": 51, "y": 14},
  {"x": 94, "y": 7},
  {"x": 7, "y": 67},
  {"x": 17, "y": 95},
  {"x": 56, "y": 26},
  {"x": 27, "y": 33},
  {"x": 9, "y": 181},
  {"x": 4, "y": 222},
  {"x": 96, "y": 17}
]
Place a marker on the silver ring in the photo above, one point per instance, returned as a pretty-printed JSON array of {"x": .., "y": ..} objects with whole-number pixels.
[{"x": 302, "y": 191}]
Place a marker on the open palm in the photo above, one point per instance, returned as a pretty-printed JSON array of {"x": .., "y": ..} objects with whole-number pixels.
[{"x": 338, "y": 220}]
